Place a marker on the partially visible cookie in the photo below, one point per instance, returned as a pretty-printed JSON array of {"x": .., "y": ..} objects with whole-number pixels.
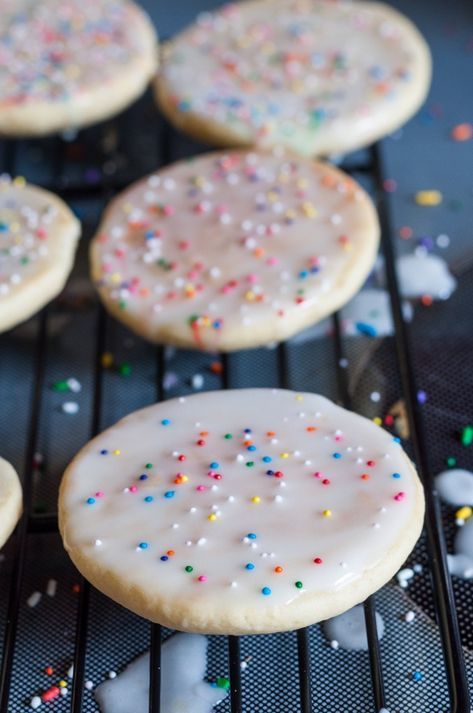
[
  {"x": 242, "y": 511},
  {"x": 232, "y": 251},
  {"x": 317, "y": 76},
  {"x": 10, "y": 500},
  {"x": 71, "y": 63},
  {"x": 38, "y": 240}
]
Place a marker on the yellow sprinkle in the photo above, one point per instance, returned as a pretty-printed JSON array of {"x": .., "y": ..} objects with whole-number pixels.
[
  {"x": 464, "y": 513},
  {"x": 116, "y": 452},
  {"x": 327, "y": 513},
  {"x": 256, "y": 499},
  {"x": 250, "y": 296},
  {"x": 184, "y": 478},
  {"x": 284, "y": 455},
  {"x": 62, "y": 684},
  {"x": 212, "y": 517},
  {"x": 19, "y": 181},
  {"x": 299, "y": 397},
  {"x": 106, "y": 360},
  {"x": 116, "y": 277},
  {"x": 205, "y": 321},
  {"x": 378, "y": 421},
  {"x": 309, "y": 210},
  {"x": 428, "y": 197}
]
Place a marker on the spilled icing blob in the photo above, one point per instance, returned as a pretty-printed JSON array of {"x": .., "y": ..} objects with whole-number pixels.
[
  {"x": 422, "y": 274},
  {"x": 183, "y": 665},
  {"x": 455, "y": 486},
  {"x": 461, "y": 563},
  {"x": 349, "y": 629}
]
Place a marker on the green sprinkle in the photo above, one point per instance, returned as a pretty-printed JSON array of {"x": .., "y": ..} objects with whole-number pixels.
[
  {"x": 250, "y": 464},
  {"x": 60, "y": 385},
  {"x": 466, "y": 436},
  {"x": 24, "y": 260},
  {"x": 228, "y": 436},
  {"x": 125, "y": 369},
  {"x": 189, "y": 568},
  {"x": 299, "y": 585},
  {"x": 122, "y": 304},
  {"x": 149, "y": 465},
  {"x": 223, "y": 682}
]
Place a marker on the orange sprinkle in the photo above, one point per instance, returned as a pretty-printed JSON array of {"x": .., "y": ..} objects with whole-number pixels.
[
  {"x": 204, "y": 433},
  {"x": 365, "y": 476},
  {"x": 258, "y": 252},
  {"x": 426, "y": 300},
  {"x": 278, "y": 570},
  {"x": 270, "y": 434},
  {"x": 311, "y": 429},
  {"x": 49, "y": 670},
  {"x": 170, "y": 553},
  {"x": 216, "y": 367},
  {"x": 462, "y": 132}
]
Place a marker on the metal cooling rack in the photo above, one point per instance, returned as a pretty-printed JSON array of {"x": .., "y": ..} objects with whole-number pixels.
[{"x": 312, "y": 676}]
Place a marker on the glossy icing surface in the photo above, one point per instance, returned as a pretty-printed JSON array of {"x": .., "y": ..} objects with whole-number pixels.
[
  {"x": 296, "y": 71},
  {"x": 248, "y": 498},
  {"x": 52, "y": 50},
  {"x": 228, "y": 244},
  {"x": 27, "y": 219}
]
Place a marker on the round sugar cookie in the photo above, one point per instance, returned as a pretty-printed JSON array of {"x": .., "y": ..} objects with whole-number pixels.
[
  {"x": 317, "y": 76},
  {"x": 231, "y": 251},
  {"x": 241, "y": 512},
  {"x": 10, "y": 500},
  {"x": 38, "y": 239},
  {"x": 68, "y": 64}
]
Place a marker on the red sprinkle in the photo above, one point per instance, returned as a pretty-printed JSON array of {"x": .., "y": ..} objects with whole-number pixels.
[
  {"x": 399, "y": 496},
  {"x": 318, "y": 560},
  {"x": 50, "y": 694}
]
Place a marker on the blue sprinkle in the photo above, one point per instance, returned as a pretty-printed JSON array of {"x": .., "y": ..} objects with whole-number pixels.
[
  {"x": 266, "y": 591},
  {"x": 247, "y": 430},
  {"x": 149, "y": 499},
  {"x": 169, "y": 494},
  {"x": 103, "y": 452},
  {"x": 165, "y": 421},
  {"x": 270, "y": 472},
  {"x": 217, "y": 324},
  {"x": 396, "y": 475},
  {"x": 251, "y": 448},
  {"x": 214, "y": 465},
  {"x": 267, "y": 459},
  {"x": 143, "y": 545},
  {"x": 143, "y": 477},
  {"x": 90, "y": 501},
  {"x": 396, "y": 439},
  {"x": 3, "y": 227},
  {"x": 251, "y": 536},
  {"x": 164, "y": 558},
  {"x": 314, "y": 269},
  {"x": 417, "y": 676},
  {"x": 367, "y": 329},
  {"x": 250, "y": 565},
  {"x": 303, "y": 274},
  {"x": 336, "y": 455}
]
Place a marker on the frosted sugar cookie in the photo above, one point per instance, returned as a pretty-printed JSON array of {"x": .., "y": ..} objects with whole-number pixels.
[
  {"x": 314, "y": 75},
  {"x": 241, "y": 512},
  {"x": 38, "y": 239},
  {"x": 71, "y": 63},
  {"x": 229, "y": 251},
  {"x": 10, "y": 500}
]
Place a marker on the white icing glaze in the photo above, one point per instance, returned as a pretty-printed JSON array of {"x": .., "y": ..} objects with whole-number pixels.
[
  {"x": 50, "y": 51},
  {"x": 233, "y": 250},
  {"x": 455, "y": 486},
  {"x": 320, "y": 77},
  {"x": 183, "y": 666},
  {"x": 425, "y": 274},
  {"x": 27, "y": 218},
  {"x": 349, "y": 629},
  {"x": 461, "y": 563},
  {"x": 316, "y": 504}
]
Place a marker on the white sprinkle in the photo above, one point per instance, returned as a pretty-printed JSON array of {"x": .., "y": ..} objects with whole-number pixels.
[
  {"x": 409, "y": 616},
  {"x": 214, "y": 488},
  {"x": 64, "y": 691},
  {"x": 417, "y": 568},
  {"x": 88, "y": 685},
  {"x": 375, "y": 396},
  {"x": 376, "y": 525},
  {"x": 334, "y": 644},
  {"x": 51, "y": 588},
  {"x": 278, "y": 498},
  {"x": 240, "y": 458},
  {"x": 443, "y": 241},
  {"x": 74, "y": 385},
  {"x": 343, "y": 363},
  {"x": 70, "y": 671},
  {"x": 34, "y": 599},
  {"x": 231, "y": 498},
  {"x": 201, "y": 541},
  {"x": 233, "y": 584},
  {"x": 307, "y": 462},
  {"x": 197, "y": 381},
  {"x": 175, "y": 525},
  {"x": 189, "y": 543},
  {"x": 243, "y": 666},
  {"x": 193, "y": 509},
  {"x": 35, "y": 702},
  {"x": 70, "y": 407},
  {"x": 112, "y": 674}
]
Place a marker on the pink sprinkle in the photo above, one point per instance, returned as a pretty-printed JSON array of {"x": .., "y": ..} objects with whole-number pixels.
[
  {"x": 133, "y": 489},
  {"x": 400, "y": 496},
  {"x": 202, "y": 578},
  {"x": 168, "y": 210},
  {"x": 99, "y": 494},
  {"x": 318, "y": 474},
  {"x": 252, "y": 279},
  {"x": 338, "y": 438},
  {"x": 201, "y": 488}
]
